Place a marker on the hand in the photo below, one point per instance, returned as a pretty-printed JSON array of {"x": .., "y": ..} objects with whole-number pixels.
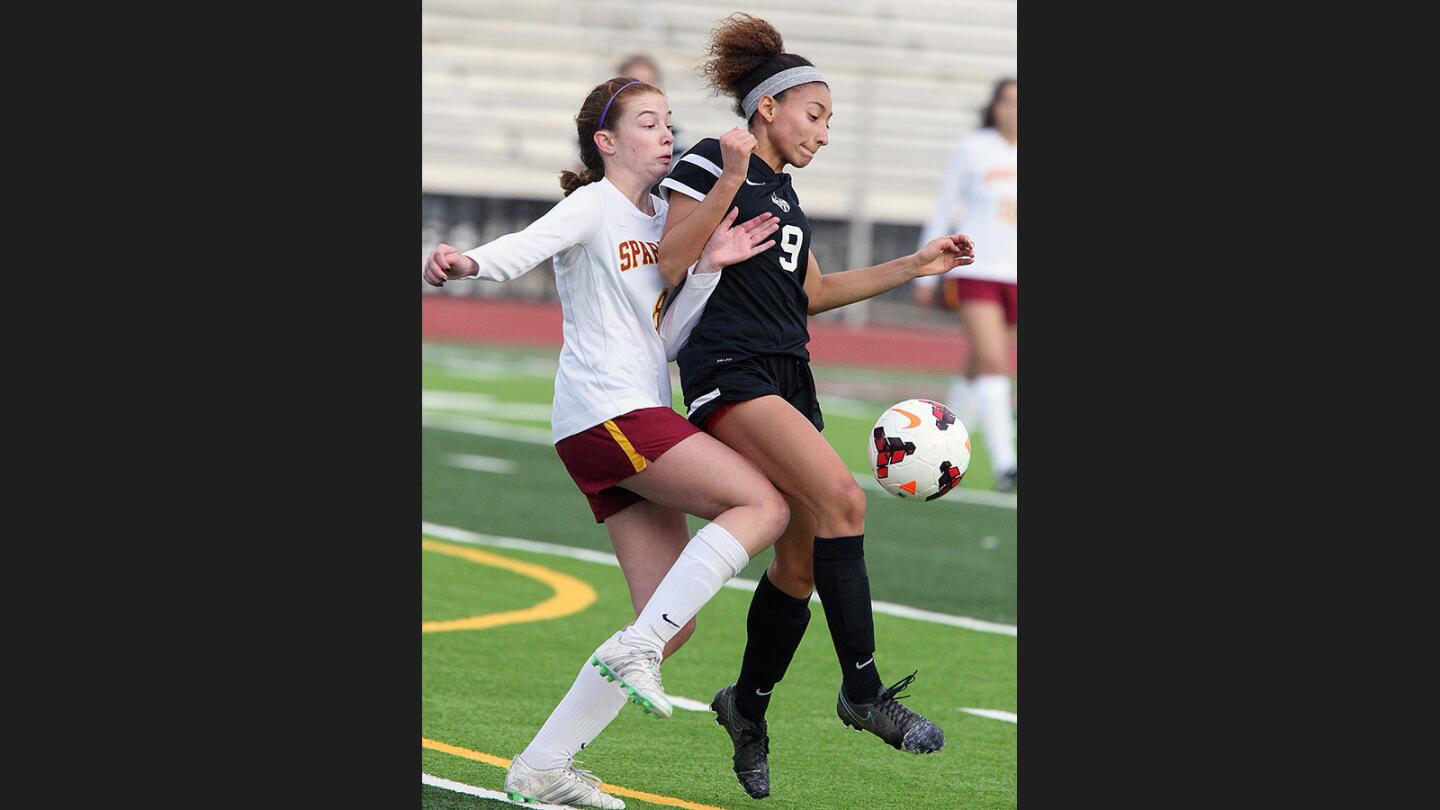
[
  {"x": 943, "y": 253},
  {"x": 735, "y": 148},
  {"x": 732, "y": 245},
  {"x": 446, "y": 262}
]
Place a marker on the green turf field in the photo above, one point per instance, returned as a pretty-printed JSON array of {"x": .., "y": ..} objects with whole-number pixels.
[{"x": 488, "y": 468}]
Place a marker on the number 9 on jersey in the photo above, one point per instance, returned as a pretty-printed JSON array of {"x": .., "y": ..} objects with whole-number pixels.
[{"x": 790, "y": 238}]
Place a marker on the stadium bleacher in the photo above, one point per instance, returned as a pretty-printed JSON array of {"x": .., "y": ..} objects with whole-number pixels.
[{"x": 501, "y": 82}]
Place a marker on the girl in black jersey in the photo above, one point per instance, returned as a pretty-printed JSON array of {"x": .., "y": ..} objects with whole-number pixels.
[{"x": 746, "y": 379}]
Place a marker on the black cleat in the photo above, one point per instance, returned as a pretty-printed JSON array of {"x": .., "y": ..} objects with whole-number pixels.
[
  {"x": 751, "y": 741},
  {"x": 888, "y": 719}
]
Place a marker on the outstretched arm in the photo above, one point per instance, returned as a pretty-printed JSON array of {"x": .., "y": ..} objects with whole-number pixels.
[
  {"x": 571, "y": 221},
  {"x": 838, "y": 289}
]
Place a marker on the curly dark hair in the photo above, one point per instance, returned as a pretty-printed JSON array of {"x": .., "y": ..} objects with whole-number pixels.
[{"x": 744, "y": 51}]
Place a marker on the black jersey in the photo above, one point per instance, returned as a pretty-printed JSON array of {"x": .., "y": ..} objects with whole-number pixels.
[{"x": 759, "y": 307}]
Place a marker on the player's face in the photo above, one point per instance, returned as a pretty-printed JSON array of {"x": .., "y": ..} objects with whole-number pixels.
[
  {"x": 1007, "y": 108},
  {"x": 643, "y": 139},
  {"x": 802, "y": 123}
]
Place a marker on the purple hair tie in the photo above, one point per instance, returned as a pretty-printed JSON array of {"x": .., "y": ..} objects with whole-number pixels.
[{"x": 606, "y": 111}]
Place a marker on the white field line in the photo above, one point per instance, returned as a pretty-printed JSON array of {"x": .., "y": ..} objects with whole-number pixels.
[
  {"x": 748, "y": 585},
  {"x": 483, "y": 403},
  {"x": 480, "y": 463},
  {"x": 485, "y": 427},
  {"x": 488, "y": 365},
  {"x": 687, "y": 704},
  {"x": 533, "y": 546},
  {"x": 461, "y": 787},
  {"x": 853, "y": 408},
  {"x": 993, "y": 714}
]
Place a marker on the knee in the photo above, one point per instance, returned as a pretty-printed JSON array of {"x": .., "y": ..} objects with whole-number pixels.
[
  {"x": 774, "y": 512},
  {"x": 679, "y": 639},
  {"x": 844, "y": 505}
]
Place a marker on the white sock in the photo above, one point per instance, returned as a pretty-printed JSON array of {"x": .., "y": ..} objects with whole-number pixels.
[
  {"x": 711, "y": 558},
  {"x": 585, "y": 711},
  {"x": 993, "y": 391},
  {"x": 961, "y": 399}
]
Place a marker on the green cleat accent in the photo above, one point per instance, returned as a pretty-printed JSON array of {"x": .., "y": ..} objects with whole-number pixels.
[
  {"x": 633, "y": 696},
  {"x": 636, "y": 671},
  {"x": 567, "y": 785}
]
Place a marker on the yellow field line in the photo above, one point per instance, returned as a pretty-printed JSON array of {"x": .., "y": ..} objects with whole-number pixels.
[
  {"x": 571, "y": 595},
  {"x": 501, "y": 762}
]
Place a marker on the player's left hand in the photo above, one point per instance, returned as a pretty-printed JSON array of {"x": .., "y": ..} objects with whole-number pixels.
[
  {"x": 944, "y": 253},
  {"x": 732, "y": 245}
]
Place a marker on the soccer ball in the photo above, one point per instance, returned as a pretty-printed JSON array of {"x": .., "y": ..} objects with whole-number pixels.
[{"x": 919, "y": 450}]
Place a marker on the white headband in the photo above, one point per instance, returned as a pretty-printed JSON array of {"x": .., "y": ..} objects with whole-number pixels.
[{"x": 779, "y": 83}]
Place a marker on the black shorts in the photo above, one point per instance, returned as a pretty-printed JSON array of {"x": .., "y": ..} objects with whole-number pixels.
[{"x": 751, "y": 378}]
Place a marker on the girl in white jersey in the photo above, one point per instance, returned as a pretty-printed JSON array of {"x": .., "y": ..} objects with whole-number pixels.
[
  {"x": 982, "y": 177},
  {"x": 641, "y": 465}
]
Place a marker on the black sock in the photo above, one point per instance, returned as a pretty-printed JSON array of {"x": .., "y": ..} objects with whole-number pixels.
[
  {"x": 844, "y": 590},
  {"x": 774, "y": 628}
]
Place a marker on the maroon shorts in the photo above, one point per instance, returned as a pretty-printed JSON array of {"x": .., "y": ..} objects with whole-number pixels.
[
  {"x": 958, "y": 290},
  {"x": 602, "y": 456}
]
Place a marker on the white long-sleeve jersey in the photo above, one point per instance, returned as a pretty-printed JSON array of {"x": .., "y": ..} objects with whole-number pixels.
[
  {"x": 982, "y": 177},
  {"x": 619, "y": 335}
]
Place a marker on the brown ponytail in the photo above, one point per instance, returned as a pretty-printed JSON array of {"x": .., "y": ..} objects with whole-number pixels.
[
  {"x": 587, "y": 123},
  {"x": 569, "y": 181},
  {"x": 745, "y": 51}
]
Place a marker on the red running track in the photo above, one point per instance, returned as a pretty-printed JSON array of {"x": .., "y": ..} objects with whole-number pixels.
[{"x": 537, "y": 324}]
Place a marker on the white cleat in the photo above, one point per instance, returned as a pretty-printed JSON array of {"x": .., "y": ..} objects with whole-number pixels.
[
  {"x": 569, "y": 785},
  {"x": 638, "y": 672}
]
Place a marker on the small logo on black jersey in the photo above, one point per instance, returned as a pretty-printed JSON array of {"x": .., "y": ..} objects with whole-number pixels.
[{"x": 784, "y": 206}]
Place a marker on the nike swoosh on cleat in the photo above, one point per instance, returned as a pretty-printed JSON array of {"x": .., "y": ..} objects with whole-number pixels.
[
  {"x": 866, "y": 664},
  {"x": 666, "y": 617},
  {"x": 763, "y": 694}
]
